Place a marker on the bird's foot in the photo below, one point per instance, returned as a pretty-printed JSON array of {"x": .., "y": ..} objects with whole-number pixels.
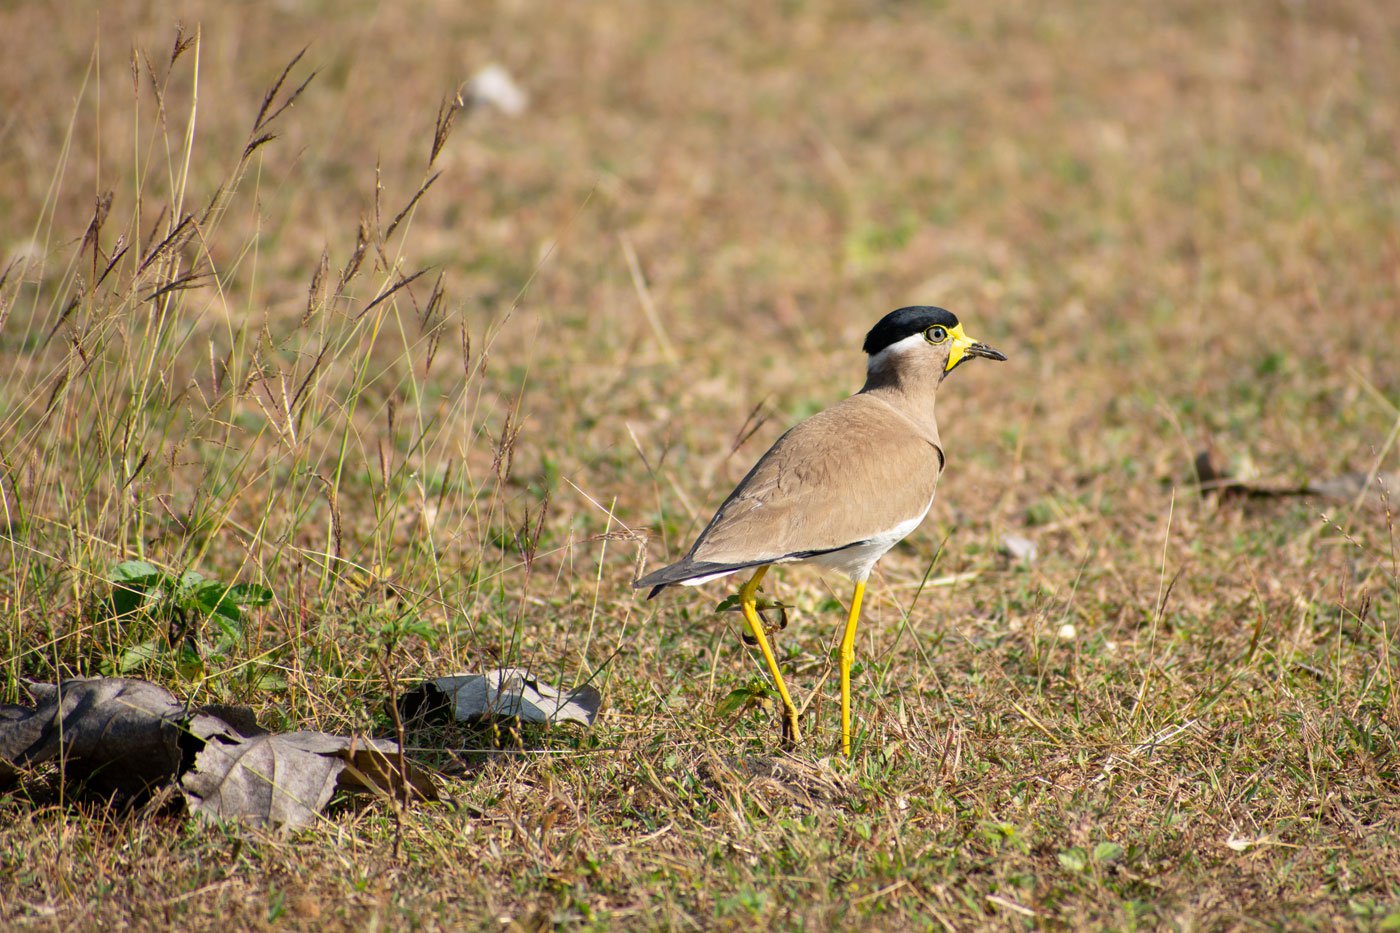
[{"x": 792, "y": 732}]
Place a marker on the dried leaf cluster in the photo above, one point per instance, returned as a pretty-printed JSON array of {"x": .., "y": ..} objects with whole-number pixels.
[{"x": 122, "y": 737}]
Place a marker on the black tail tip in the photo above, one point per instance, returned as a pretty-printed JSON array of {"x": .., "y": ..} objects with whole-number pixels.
[{"x": 657, "y": 588}]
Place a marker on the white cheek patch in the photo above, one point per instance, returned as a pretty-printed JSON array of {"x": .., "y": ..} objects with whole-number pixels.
[{"x": 883, "y": 359}]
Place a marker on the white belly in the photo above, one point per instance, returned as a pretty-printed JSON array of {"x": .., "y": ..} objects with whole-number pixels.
[{"x": 857, "y": 560}]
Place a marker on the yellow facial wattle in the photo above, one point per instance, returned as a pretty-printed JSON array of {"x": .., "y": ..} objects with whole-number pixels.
[{"x": 958, "y": 351}]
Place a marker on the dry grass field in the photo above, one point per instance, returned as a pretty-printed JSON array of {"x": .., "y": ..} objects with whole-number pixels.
[{"x": 447, "y": 431}]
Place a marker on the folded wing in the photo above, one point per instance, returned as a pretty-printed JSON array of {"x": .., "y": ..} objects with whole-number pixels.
[{"x": 844, "y": 476}]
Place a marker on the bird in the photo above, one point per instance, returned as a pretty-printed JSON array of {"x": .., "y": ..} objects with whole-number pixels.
[{"x": 839, "y": 489}]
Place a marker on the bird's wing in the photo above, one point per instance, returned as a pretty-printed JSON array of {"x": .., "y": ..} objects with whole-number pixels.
[{"x": 845, "y": 475}]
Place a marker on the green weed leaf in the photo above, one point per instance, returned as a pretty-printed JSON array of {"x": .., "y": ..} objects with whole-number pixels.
[
  {"x": 250, "y": 594},
  {"x": 730, "y": 603},
  {"x": 1107, "y": 852},
  {"x": 140, "y": 655},
  {"x": 135, "y": 573},
  {"x": 216, "y": 599},
  {"x": 1073, "y": 859},
  {"x": 741, "y": 698}
]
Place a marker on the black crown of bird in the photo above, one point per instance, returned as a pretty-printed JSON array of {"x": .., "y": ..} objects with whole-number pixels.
[{"x": 841, "y": 488}]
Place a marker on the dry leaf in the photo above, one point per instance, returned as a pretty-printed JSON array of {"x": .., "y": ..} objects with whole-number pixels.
[
  {"x": 286, "y": 778},
  {"x": 129, "y": 736},
  {"x": 1348, "y": 487},
  {"x": 371, "y": 764},
  {"x": 266, "y": 779},
  {"x": 506, "y": 693},
  {"x": 10, "y": 740},
  {"x": 1372, "y": 490},
  {"x": 113, "y": 733},
  {"x": 241, "y": 718}
]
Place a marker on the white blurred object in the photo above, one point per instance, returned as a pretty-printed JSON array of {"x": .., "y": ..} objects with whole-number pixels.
[
  {"x": 1019, "y": 548},
  {"x": 25, "y": 255},
  {"x": 493, "y": 86}
]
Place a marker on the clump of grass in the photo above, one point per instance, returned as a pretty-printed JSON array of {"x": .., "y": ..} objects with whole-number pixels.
[{"x": 343, "y": 463}]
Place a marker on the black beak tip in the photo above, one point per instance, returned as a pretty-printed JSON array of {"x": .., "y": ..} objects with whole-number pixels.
[{"x": 987, "y": 352}]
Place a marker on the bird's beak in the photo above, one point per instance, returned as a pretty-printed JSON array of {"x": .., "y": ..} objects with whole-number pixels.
[{"x": 964, "y": 347}]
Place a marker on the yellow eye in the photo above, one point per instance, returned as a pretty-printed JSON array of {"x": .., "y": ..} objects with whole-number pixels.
[{"x": 936, "y": 334}]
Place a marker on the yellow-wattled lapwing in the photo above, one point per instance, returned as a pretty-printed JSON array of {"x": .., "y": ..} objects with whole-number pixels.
[{"x": 841, "y": 488}]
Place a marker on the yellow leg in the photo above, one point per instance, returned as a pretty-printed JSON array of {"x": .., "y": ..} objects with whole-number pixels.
[
  {"x": 791, "y": 732},
  {"x": 848, "y": 656}
]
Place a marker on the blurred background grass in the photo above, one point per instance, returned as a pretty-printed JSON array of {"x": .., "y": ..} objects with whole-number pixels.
[{"x": 1178, "y": 220}]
